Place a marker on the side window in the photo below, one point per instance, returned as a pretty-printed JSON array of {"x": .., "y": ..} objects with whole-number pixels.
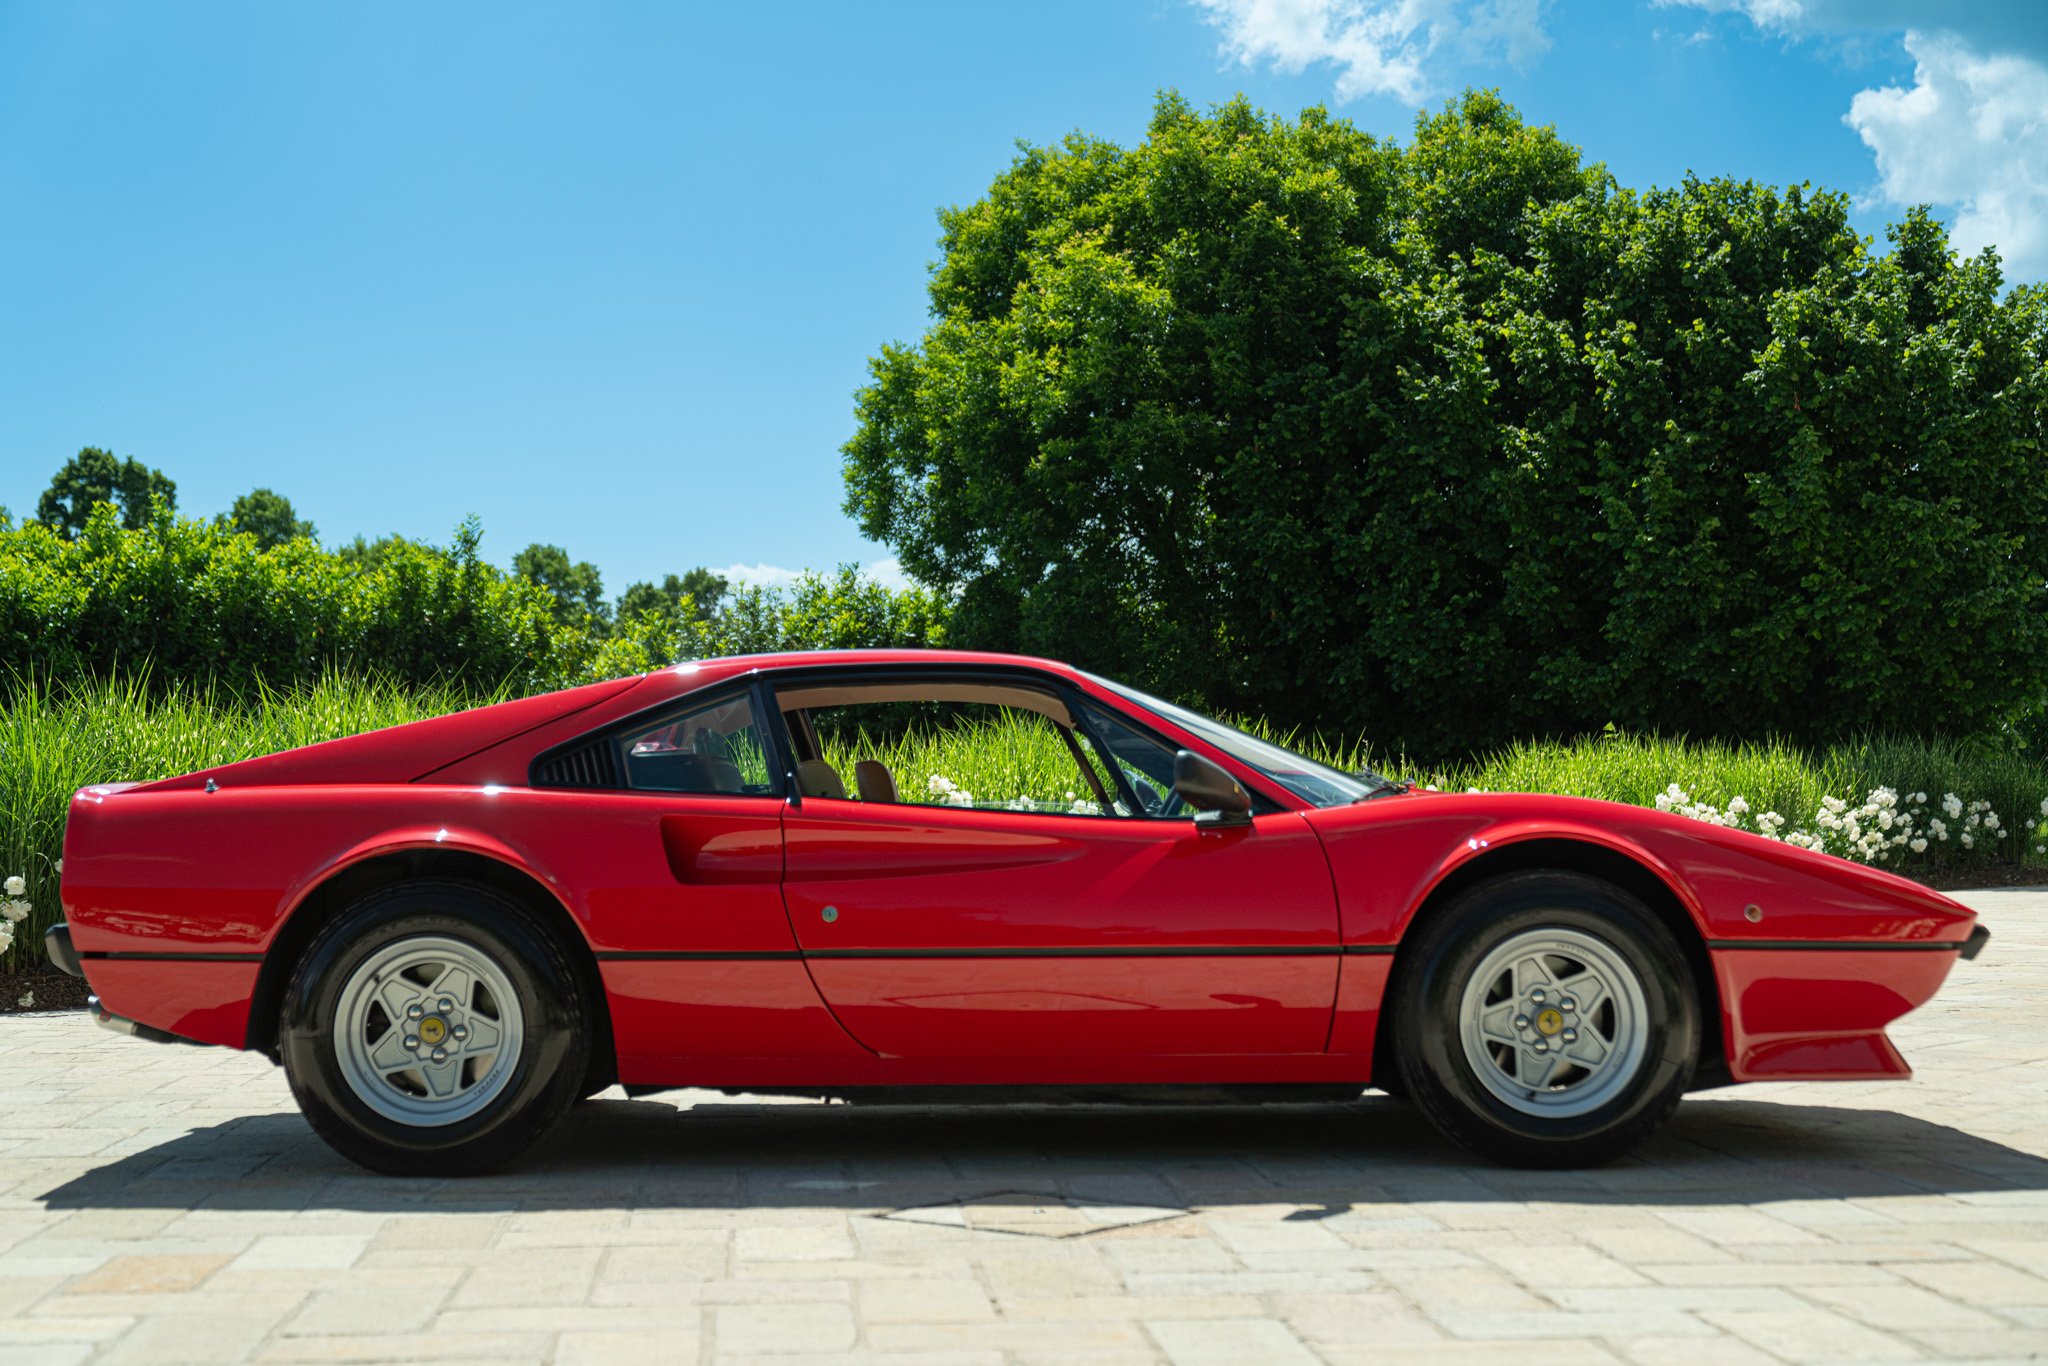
[
  {"x": 984, "y": 755},
  {"x": 710, "y": 747},
  {"x": 1143, "y": 762}
]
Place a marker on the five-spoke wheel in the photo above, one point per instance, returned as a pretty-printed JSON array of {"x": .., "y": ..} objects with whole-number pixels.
[
  {"x": 434, "y": 1028},
  {"x": 1554, "y": 1022},
  {"x": 1544, "y": 1019},
  {"x": 428, "y": 1030}
]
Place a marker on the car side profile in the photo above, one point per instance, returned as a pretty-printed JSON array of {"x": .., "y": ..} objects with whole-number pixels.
[{"x": 853, "y": 873}]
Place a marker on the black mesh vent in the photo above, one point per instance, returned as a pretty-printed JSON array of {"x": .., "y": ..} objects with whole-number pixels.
[{"x": 593, "y": 765}]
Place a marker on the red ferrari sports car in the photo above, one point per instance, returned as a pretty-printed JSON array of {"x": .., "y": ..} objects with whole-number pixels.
[{"x": 725, "y": 875}]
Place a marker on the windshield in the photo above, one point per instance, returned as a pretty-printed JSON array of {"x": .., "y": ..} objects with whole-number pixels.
[{"x": 1315, "y": 783}]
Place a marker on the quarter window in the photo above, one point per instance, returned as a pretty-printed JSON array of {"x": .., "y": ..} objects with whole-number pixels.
[{"x": 713, "y": 747}]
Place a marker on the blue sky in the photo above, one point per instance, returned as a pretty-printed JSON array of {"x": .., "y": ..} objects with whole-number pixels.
[{"x": 608, "y": 275}]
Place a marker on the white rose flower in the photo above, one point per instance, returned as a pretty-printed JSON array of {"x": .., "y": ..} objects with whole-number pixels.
[
  {"x": 1919, "y": 845},
  {"x": 15, "y": 911},
  {"x": 1952, "y": 804},
  {"x": 1969, "y": 841},
  {"x": 15, "y": 886}
]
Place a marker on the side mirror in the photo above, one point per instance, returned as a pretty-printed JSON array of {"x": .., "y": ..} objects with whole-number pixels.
[{"x": 1213, "y": 793}]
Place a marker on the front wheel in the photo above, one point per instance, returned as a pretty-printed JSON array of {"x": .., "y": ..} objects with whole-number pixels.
[
  {"x": 1546, "y": 1019},
  {"x": 434, "y": 1029}
]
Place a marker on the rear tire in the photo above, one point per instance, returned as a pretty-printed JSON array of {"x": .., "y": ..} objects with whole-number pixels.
[
  {"x": 434, "y": 1029},
  {"x": 1545, "y": 1019}
]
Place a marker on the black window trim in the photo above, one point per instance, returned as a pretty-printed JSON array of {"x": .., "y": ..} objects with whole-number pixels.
[
  {"x": 783, "y": 760},
  {"x": 1064, "y": 689}
]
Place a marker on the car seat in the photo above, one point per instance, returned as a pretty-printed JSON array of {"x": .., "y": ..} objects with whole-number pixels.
[{"x": 875, "y": 781}]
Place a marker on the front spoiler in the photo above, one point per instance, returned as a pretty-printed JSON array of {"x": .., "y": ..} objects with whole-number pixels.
[{"x": 1979, "y": 937}]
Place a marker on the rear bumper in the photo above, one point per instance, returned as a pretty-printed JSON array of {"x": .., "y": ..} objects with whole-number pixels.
[{"x": 63, "y": 957}]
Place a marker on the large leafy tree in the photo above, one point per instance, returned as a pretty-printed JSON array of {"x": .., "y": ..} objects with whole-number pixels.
[
  {"x": 576, "y": 586},
  {"x": 1462, "y": 441},
  {"x": 695, "y": 596},
  {"x": 95, "y": 476},
  {"x": 269, "y": 517}
]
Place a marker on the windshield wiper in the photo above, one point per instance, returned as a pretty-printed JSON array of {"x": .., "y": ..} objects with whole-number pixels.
[{"x": 1384, "y": 786}]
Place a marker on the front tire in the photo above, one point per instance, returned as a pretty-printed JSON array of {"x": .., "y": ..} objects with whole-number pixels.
[
  {"x": 1545, "y": 1019},
  {"x": 434, "y": 1029}
]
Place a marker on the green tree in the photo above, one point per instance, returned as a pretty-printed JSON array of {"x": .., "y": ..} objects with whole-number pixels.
[
  {"x": 697, "y": 595},
  {"x": 94, "y": 476},
  {"x": 1462, "y": 441},
  {"x": 269, "y": 517},
  {"x": 577, "y": 588}
]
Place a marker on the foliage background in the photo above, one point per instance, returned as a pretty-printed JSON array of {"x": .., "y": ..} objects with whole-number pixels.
[
  {"x": 180, "y": 603},
  {"x": 1461, "y": 442}
]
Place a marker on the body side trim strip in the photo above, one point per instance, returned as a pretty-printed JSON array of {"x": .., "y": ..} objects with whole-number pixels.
[
  {"x": 1116, "y": 951},
  {"x": 1831, "y": 946},
  {"x": 120, "y": 957}
]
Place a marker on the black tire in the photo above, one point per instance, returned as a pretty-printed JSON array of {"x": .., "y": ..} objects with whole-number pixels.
[
  {"x": 553, "y": 1060},
  {"x": 1445, "y": 953}
]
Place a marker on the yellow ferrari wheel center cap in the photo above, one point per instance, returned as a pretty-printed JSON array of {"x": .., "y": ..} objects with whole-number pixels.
[
  {"x": 434, "y": 1029},
  {"x": 1547, "y": 1021}
]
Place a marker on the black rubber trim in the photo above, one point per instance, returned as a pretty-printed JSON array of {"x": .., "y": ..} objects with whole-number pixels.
[
  {"x": 1119, "y": 951},
  {"x": 691, "y": 956},
  {"x": 1832, "y": 946},
  {"x": 1974, "y": 945},
  {"x": 57, "y": 947},
  {"x": 175, "y": 957}
]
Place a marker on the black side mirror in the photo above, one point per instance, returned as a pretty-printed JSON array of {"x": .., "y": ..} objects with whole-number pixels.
[{"x": 1213, "y": 793}]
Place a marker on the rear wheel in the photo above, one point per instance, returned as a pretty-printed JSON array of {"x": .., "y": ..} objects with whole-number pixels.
[
  {"x": 434, "y": 1029},
  {"x": 1546, "y": 1019}
]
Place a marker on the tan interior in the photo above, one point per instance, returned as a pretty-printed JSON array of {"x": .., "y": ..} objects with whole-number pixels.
[
  {"x": 874, "y": 781},
  {"x": 816, "y": 778}
]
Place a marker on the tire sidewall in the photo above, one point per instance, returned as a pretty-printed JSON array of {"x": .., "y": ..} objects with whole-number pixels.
[
  {"x": 1430, "y": 1002},
  {"x": 553, "y": 1047}
]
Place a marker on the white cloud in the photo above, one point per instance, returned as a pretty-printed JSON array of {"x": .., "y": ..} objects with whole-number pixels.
[
  {"x": 1379, "y": 47},
  {"x": 1970, "y": 134},
  {"x": 887, "y": 572},
  {"x": 1987, "y": 25},
  {"x": 761, "y": 575}
]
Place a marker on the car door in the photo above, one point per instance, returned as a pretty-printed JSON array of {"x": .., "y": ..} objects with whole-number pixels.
[
  {"x": 677, "y": 856},
  {"x": 955, "y": 931}
]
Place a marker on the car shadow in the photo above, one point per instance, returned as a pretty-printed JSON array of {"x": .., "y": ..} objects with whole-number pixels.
[{"x": 650, "y": 1154}]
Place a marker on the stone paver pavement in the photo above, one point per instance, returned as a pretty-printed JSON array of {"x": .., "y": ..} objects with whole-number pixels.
[{"x": 162, "y": 1204}]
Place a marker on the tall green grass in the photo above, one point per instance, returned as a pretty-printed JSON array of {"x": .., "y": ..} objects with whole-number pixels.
[{"x": 54, "y": 741}]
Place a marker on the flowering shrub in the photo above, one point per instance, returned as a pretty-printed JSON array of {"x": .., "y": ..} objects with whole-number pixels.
[
  {"x": 949, "y": 793},
  {"x": 1883, "y": 827},
  {"x": 13, "y": 911}
]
